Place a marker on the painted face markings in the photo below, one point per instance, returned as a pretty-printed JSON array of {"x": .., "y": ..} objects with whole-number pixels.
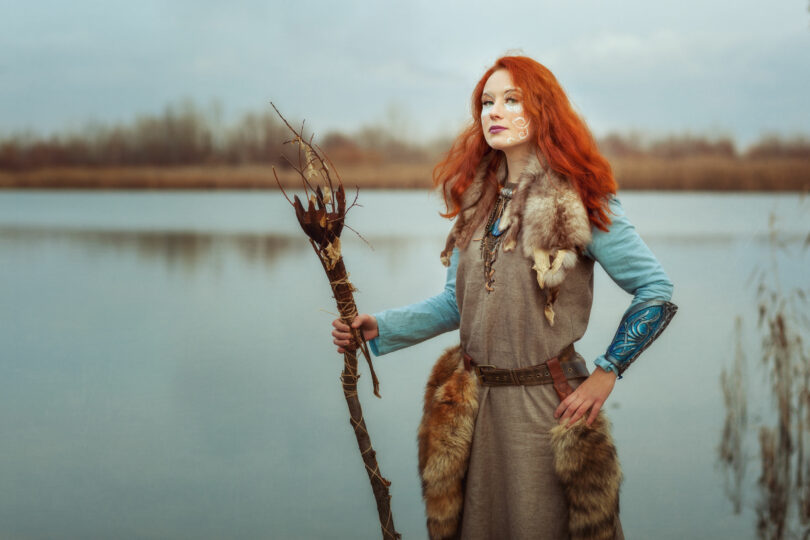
[
  {"x": 522, "y": 124},
  {"x": 516, "y": 108}
]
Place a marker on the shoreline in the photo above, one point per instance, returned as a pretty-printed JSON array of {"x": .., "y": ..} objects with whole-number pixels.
[{"x": 655, "y": 174}]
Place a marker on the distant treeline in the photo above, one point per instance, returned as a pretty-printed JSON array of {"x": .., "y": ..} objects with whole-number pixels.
[{"x": 186, "y": 134}]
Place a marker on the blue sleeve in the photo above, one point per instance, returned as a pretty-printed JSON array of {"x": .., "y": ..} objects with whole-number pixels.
[
  {"x": 409, "y": 325},
  {"x": 629, "y": 262}
]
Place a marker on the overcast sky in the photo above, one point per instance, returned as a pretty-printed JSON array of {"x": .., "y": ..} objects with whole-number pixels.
[{"x": 739, "y": 67}]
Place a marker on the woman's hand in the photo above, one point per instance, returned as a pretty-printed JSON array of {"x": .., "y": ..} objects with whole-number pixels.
[
  {"x": 590, "y": 395},
  {"x": 342, "y": 333}
]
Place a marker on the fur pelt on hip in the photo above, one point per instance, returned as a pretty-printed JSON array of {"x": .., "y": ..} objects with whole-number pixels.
[
  {"x": 445, "y": 437},
  {"x": 587, "y": 465},
  {"x": 584, "y": 457}
]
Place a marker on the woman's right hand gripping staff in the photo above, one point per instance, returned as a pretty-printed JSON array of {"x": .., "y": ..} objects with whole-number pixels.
[{"x": 367, "y": 324}]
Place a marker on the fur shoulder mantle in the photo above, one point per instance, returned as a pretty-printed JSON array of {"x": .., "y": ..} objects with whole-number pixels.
[{"x": 545, "y": 219}]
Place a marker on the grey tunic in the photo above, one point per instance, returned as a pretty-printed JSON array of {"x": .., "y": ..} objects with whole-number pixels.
[{"x": 511, "y": 489}]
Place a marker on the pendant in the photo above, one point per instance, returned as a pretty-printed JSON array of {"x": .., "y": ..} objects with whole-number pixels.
[
  {"x": 492, "y": 236},
  {"x": 496, "y": 228}
]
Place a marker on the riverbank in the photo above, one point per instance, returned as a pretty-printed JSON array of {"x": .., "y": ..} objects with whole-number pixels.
[{"x": 647, "y": 173}]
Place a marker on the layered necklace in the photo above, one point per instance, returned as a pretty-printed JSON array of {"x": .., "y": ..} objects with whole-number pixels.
[{"x": 490, "y": 243}]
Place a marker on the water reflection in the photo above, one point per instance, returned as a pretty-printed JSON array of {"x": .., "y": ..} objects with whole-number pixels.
[
  {"x": 732, "y": 452},
  {"x": 181, "y": 250}
]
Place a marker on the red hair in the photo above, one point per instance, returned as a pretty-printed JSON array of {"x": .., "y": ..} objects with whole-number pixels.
[{"x": 562, "y": 138}]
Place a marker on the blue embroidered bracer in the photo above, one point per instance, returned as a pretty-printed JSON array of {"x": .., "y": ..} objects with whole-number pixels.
[{"x": 638, "y": 329}]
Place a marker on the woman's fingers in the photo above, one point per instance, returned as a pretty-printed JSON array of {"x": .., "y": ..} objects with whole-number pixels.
[
  {"x": 359, "y": 320},
  {"x": 340, "y": 325},
  {"x": 337, "y": 334},
  {"x": 563, "y": 406},
  {"x": 342, "y": 332},
  {"x": 572, "y": 408},
  {"x": 594, "y": 411},
  {"x": 342, "y": 335},
  {"x": 589, "y": 396},
  {"x": 580, "y": 412},
  {"x": 567, "y": 406},
  {"x": 575, "y": 409}
]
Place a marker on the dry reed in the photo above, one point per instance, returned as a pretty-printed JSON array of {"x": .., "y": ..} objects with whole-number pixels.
[
  {"x": 698, "y": 173},
  {"x": 783, "y": 507}
]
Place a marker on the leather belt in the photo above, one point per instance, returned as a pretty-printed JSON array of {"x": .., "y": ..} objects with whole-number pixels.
[{"x": 489, "y": 375}]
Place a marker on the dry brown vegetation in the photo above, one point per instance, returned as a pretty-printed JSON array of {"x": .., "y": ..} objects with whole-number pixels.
[
  {"x": 387, "y": 176},
  {"x": 186, "y": 147},
  {"x": 783, "y": 426},
  {"x": 712, "y": 174}
]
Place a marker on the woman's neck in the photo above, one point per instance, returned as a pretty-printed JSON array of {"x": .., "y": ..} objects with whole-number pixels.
[{"x": 516, "y": 159}]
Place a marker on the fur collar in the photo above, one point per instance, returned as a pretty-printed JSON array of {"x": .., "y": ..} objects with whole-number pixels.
[
  {"x": 546, "y": 219},
  {"x": 545, "y": 205}
]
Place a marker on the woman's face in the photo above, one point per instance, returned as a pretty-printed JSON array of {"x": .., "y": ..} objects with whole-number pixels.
[{"x": 502, "y": 118}]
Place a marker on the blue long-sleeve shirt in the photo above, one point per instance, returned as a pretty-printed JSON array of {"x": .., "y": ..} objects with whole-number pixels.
[{"x": 621, "y": 252}]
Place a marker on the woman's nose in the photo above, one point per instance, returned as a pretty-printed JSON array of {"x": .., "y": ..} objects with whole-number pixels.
[{"x": 495, "y": 111}]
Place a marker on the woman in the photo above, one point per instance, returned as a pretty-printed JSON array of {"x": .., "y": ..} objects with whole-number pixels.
[{"x": 534, "y": 206}]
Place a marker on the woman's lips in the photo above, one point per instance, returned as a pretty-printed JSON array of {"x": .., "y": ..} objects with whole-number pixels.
[{"x": 497, "y": 129}]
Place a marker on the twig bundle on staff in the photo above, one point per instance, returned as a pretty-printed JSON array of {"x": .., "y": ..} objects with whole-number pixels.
[{"x": 323, "y": 220}]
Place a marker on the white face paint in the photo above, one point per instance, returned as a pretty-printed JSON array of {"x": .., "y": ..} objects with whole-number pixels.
[
  {"x": 522, "y": 124},
  {"x": 486, "y": 107},
  {"x": 516, "y": 108}
]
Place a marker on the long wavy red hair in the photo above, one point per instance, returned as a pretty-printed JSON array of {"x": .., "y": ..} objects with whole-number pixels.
[{"x": 562, "y": 139}]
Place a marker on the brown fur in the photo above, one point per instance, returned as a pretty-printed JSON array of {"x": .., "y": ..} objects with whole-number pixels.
[
  {"x": 548, "y": 210},
  {"x": 476, "y": 203},
  {"x": 445, "y": 437},
  {"x": 587, "y": 465},
  {"x": 545, "y": 207}
]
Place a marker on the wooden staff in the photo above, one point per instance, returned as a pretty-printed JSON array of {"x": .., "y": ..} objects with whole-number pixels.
[{"x": 322, "y": 220}]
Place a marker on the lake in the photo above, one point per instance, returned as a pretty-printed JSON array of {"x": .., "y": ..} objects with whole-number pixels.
[{"x": 167, "y": 369}]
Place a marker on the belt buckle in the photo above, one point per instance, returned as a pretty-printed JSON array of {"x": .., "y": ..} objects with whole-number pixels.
[{"x": 478, "y": 369}]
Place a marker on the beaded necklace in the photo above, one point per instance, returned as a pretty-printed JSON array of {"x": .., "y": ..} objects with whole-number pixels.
[{"x": 490, "y": 243}]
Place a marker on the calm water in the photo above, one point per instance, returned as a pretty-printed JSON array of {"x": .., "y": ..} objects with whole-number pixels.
[{"x": 166, "y": 368}]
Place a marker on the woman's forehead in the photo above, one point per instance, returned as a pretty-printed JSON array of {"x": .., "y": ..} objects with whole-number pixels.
[{"x": 500, "y": 82}]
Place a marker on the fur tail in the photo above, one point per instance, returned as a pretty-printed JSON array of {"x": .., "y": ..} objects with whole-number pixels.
[
  {"x": 445, "y": 436},
  {"x": 586, "y": 463}
]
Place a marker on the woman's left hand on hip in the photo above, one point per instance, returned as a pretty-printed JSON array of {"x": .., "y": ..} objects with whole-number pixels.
[{"x": 589, "y": 396}]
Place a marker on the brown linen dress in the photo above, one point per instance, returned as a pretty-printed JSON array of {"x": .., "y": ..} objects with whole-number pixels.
[{"x": 511, "y": 489}]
